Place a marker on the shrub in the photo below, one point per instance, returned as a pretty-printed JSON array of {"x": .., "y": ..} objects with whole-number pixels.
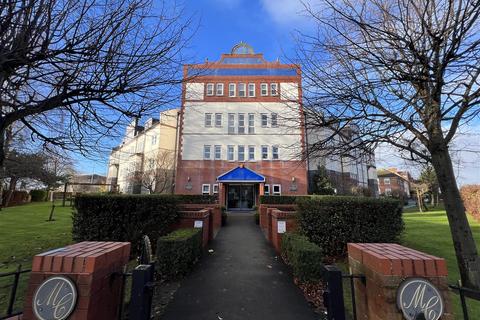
[
  {"x": 281, "y": 199},
  {"x": 38, "y": 195},
  {"x": 471, "y": 199},
  {"x": 333, "y": 221},
  {"x": 195, "y": 198},
  {"x": 123, "y": 217},
  {"x": 178, "y": 251},
  {"x": 303, "y": 256}
]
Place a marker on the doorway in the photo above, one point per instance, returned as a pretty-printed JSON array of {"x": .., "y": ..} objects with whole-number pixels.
[{"x": 241, "y": 197}]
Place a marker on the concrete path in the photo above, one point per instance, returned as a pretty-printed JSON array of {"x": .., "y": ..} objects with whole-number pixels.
[{"x": 242, "y": 279}]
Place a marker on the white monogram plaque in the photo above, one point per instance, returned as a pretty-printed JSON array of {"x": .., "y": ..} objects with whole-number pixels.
[
  {"x": 55, "y": 298},
  {"x": 417, "y": 295}
]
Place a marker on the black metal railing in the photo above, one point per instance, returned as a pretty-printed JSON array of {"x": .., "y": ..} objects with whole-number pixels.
[
  {"x": 465, "y": 293},
  {"x": 351, "y": 280},
  {"x": 13, "y": 291}
]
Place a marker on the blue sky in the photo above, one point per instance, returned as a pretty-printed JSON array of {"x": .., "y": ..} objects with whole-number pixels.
[{"x": 268, "y": 25}]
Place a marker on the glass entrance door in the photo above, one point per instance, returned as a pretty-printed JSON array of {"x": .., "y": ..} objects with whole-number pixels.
[{"x": 241, "y": 196}]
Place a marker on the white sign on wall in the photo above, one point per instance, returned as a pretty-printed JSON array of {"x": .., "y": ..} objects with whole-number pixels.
[
  {"x": 198, "y": 224},
  {"x": 282, "y": 226}
]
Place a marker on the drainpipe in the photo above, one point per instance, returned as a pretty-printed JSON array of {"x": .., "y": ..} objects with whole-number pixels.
[
  {"x": 174, "y": 176},
  {"x": 306, "y": 151}
]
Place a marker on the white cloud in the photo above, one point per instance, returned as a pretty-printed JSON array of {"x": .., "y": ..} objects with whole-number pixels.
[{"x": 286, "y": 12}]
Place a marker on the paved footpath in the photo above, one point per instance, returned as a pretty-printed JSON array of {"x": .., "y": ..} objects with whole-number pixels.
[{"x": 242, "y": 279}]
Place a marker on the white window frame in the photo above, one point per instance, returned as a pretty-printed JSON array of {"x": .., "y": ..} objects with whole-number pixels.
[
  {"x": 251, "y": 90},
  {"x": 388, "y": 191},
  {"x": 231, "y": 123},
  {"x": 241, "y": 123},
  {"x": 210, "y": 89},
  {"x": 205, "y": 148},
  {"x": 241, "y": 158},
  {"x": 279, "y": 192},
  {"x": 263, "y": 153},
  {"x": 205, "y": 189},
  {"x": 215, "y": 188},
  {"x": 232, "y": 90},
  {"x": 274, "y": 123},
  {"x": 242, "y": 93},
  {"x": 385, "y": 181},
  {"x": 266, "y": 189},
  {"x": 251, "y": 123},
  {"x": 264, "y": 89},
  {"x": 250, "y": 157},
  {"x": 274, "y": 89},
  {"x": 262, "y": 116},
  {"x": 218, "y": 120},
  {"x": 217, "y": 151},
  {"x": 154, "y": 139},
  {"x": 219, "y": 89},
  {"x": 275, "y": 153},
  {"x": 208, "y": 120},
  {"x": 231, "y": 153}
]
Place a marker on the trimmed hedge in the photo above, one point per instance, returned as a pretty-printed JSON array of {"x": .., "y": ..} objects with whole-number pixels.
[
  {"x": 113, "y": 217},
  {"x": 303, "y": 256},
  {"x": 281, "y": 199},
  {"x": 333, "y": 221},
  {"x": 38, "y": 195},
  {"x": 178, "y": 251},
  {"x": 196, "y": 198}
]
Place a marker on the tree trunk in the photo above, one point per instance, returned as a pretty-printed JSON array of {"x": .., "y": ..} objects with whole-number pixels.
[
  {"x": 465, "y": 248},
  {"x": 11, "y": 189}
]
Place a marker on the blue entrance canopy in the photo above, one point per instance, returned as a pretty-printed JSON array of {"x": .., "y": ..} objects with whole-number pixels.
[{"x": 241, "y": 174}]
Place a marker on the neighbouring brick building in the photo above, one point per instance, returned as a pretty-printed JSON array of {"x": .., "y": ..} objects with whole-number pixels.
[
  {"x": 393, "y": 182},
  {"x": 240, "y": 134}
]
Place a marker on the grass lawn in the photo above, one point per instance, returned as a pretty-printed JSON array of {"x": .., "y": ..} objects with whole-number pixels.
[
  {"x": 429, "y": 232},
  {"x": 24, "y": 232}
]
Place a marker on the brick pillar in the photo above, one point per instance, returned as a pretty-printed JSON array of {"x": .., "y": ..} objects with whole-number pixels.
[
  {"x": 94, "y": 267},
  {"x": 281, "y": 217},
  {"x": 188, "y": 218},
  {"x": 222, "y": 194},
  {"x": 386, "y": 266}
]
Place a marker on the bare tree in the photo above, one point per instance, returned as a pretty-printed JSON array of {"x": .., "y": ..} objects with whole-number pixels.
[
  {"x": 402, "y": 72},
  {"x": 157, "y": 174},
  {"x": 71, "y": 70}
]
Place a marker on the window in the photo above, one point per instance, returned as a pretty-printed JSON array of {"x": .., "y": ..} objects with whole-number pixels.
[
  {"x": 205, "y": 189},
  {"x": 230, "y": 153},
  {"x": 273, "y": 120},
  {"x": 215, "y": 188},
  {"x": 264, "y": 152},
  {"x": 277, "y": 189},
  {"x": 386, "y": 180},
  {"x": 231, "y": 123},
  {"x": 275, "y": 152},
  {"x": 388, "y": 191},
  {"x": 251, "y": 89},
  {"x": 251, "y": 123},
  {"x": 209, "y": 89},
  {"x": 241, "y": 123},
  {"x": 218, "y": 119},
  {"x": 264, "y": 89},
  {"x": 266, "y": 189},
  {"x": 154, "y": 139},
  {"x": 241, "y": 153},
  {"x": 241, "y": 90},
  {"x": 274, "y": 89},
  {"x": 231, "y": 89},
  {"x": 208, "y": 119},
  {"x": 206, "y": 152},
  {"x": 264, "y": 120},
  {"x": 251, "y": 153},
  {"x": 219, "y": 89},
  {"x": 218, "y": 152}
]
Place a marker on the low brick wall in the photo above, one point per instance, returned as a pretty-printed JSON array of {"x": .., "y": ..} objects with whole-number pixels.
[
  {"x": 187, "y": 220},
  {"x": 263, "y": 214},
  {"x": 215, "y": 211},
  {"x": 385, "y": 266},
  {"x": 94, "y": 267},
  {"x": 277, "y": 217}
]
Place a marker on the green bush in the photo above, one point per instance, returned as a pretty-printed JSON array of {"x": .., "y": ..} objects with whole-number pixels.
[
  {"x": 303, "y": 256},
  {"x": 333, "y": 221},
  {"x": 123, "y": 217},
  {"x": 38, "y": 195},
  {"x": 178, "y": 251},
  {"x": 281, "y": 199},
  {"x": 195, "y": 198}
]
